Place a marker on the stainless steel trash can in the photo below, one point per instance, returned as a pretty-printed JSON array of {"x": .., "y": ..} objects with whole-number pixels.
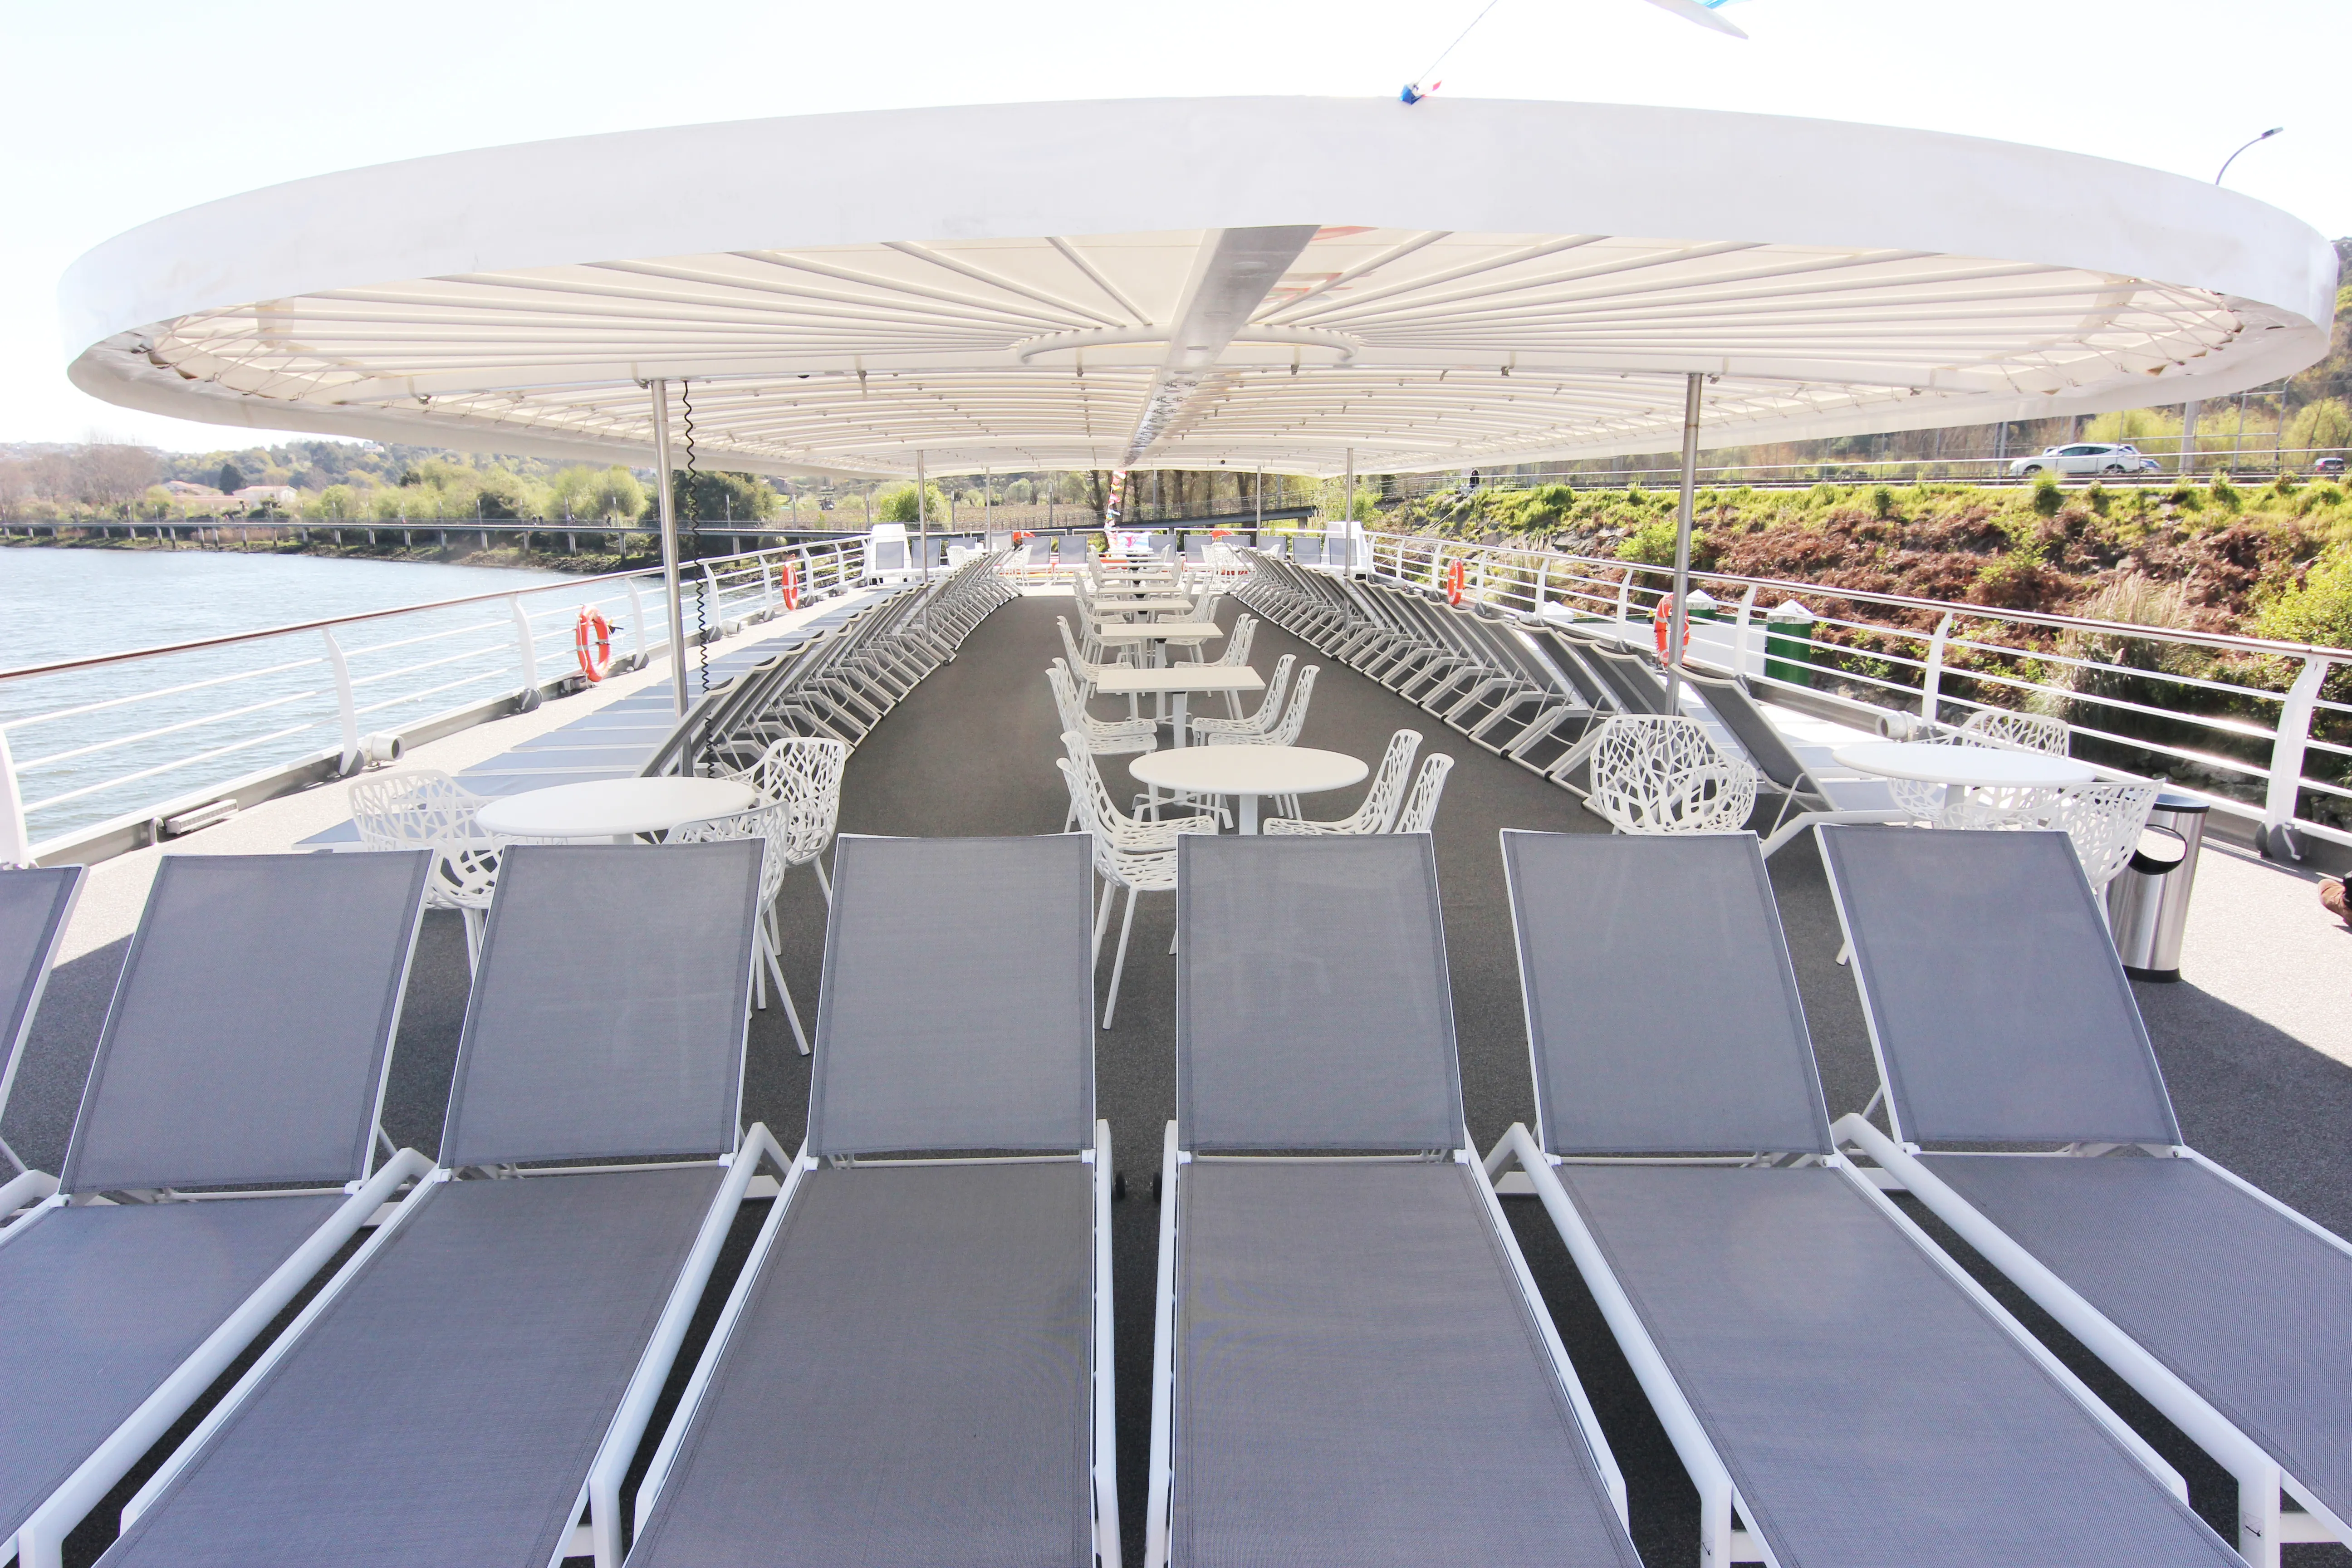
[{"x": 2147, "y": 903}]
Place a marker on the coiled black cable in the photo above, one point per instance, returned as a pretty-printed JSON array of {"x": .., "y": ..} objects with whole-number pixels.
[{"x": 701, "y": 579}]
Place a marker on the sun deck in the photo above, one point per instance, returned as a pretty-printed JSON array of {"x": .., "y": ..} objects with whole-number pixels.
[{"x": 2255, "y": 1042}]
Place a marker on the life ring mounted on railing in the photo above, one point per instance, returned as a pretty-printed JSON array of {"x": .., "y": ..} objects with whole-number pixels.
[
  {"x": 1662, "y": 618},
  {"x": 1454, "y": 576},
  {"x": 790, "y": 581},
  {"x": 592, "y": 639}
]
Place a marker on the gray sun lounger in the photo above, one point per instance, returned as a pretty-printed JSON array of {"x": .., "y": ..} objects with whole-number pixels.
[
  {"x": 246, "y": 1047},
  {"x": 1812, "y": 800},
  {"x": 2000, "y": 1016},
  {"x": 1826, "y": 1374},
  {"x": 1352, "y": 1367},
  {"x": 914, "y": 1366},
  {"x": 35, "y": 905},
  {"x": 485, "y": 1366}
]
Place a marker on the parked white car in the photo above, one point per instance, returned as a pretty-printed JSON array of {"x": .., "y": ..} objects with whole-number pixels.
[{"x": 2086, "y": 458}]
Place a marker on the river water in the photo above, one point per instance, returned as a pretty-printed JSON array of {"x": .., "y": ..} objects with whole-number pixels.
[{"x": 238, "y": 709}]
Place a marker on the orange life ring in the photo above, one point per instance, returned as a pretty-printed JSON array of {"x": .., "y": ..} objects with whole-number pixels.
[
  {"x": 1453, "y": 575},
  {"x": 791, "y": 586},
  {"x": 1662, "y": 618},
  {"x": 592, "y": 639}
]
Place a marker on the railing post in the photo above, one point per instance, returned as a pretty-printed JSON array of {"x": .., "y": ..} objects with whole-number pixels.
[
  {"x": 1542, "y": 570},
  {"x": 2286, "y": 761},
  {"x": 1486, "y": 560},
  {"x": 346, "y": 705},
  {"x": 1931, "y": 686},
  {"x": 1624, "y": 593},
  {"x": 1436, "y": 563},
  {"x": 1739, "y": 631},
  {"x": 637, "y": 621},
  {"x": 16, "y": 837},
  {"x": 528, "y": 699}
]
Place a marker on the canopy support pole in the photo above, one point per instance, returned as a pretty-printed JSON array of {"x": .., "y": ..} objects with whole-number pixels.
[
  {"x": 923, "y": 519},
  {"x": 667, "y": 500},
  {"x": 1677, "y": 625}
]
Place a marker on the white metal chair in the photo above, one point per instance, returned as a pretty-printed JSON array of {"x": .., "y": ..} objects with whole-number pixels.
[
  {"x": 803, "y": 773},
  {"x": 1137, "y": 856},
  {"x": 1285, "y": 730},
  {"x": 1104, "y": 737},
  {"x": 2102, "y": 820},
  {"x": 425, "y": 808},
  {"x": 2021, "y": 731},
  {"x": 771, "y": 824},
  {"x": 1228, "y": 731},
  {"x": 1379, "y": 808},
  {"x": 1085, "y": 670},
  {"x": 1236, "y": 657},
  {"x": 1420, "y": 809},
  {"x": 1658, "y": 774}
]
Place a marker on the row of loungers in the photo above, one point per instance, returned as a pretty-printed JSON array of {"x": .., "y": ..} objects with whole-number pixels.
[{"x": 1351, "y": 1363}]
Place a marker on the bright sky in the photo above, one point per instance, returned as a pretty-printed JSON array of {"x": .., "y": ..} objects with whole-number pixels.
[{"x": 121, "y": 113}]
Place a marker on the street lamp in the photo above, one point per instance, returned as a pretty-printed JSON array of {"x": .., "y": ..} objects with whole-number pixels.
[{"x": 2234, "y": 157}]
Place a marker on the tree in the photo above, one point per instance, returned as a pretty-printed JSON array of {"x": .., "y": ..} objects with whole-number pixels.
[
  {"x": 229, "y": 480},
  {"x": 113, "y": 473},
  {"x": 721, "y": 497},
  {"x": 897, "y": 504},
  {"x": 2321, "y": 426}
]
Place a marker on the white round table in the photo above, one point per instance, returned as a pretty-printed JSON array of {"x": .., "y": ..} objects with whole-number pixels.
[
  {"x": 617, "y": 809},
  {"x": 1248, "y": 772},
  {"x": 1963, "y": 768}
]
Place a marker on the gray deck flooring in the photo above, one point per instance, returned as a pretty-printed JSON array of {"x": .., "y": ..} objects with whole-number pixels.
[{"x": 970, "y": 752}]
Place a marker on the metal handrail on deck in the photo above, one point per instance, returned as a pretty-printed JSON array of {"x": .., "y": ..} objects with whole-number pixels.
[
  {"x": 2241, "y": 746},
  {"x": 219, "y": 703}
]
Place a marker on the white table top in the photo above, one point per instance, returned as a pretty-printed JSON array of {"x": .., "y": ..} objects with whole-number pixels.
[
  {"x": 1122, "y": 680},
  {"x": 612, "y": 808},
  {"x": 1248, "y": 770},
  {"x": 1970, "y": 767},
  {"x": 1156, "y": 631},
  {"x": 1144, "y": 606}
]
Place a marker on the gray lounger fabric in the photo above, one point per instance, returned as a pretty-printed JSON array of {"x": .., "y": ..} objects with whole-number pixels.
[
  {"x": 933, "y": 1031},
  {"x": 1313, "y": 1007},
  {"x": 907, "y": 1384},
  {"x": 103, "y": 1303},
  {"x": 625, "y": 1049},
  {"x": 34, "y": 904},
  {"x": 2250, "y": 1310},
  {"x": 247, "y": 1041},
  {"x": 1868, "y": 1411},
  {"x": 445, "y": 1410},
  {"x": 1359, "y": 1382},
  {"x": 446, "y": 1407},
  {"x": 2030, "y": 1037},
  {"x": 1614, "y": 930}
]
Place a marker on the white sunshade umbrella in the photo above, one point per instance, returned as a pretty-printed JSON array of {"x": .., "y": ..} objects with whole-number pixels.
[{"x": 1313, "y": 286}]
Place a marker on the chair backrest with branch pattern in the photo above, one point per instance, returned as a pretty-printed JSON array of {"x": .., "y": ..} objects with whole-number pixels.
[{"x": 1659, "y": 774}]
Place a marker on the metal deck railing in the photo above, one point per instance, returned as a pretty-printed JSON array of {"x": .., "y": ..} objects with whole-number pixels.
[
  {"x": 2240, "y": 721},
  {"x": 103, "y": 753}
]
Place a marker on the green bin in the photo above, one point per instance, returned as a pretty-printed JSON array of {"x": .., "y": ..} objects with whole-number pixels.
[{"x": 1788, "y": 643}]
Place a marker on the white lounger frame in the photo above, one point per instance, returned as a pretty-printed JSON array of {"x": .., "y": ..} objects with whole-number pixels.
[
  {"x": 27, "y": 1185},
  {"x": 39, "y": 1542},
  {"x": 599, "y": 1489},
  {"x": 1172, "y": 1161},
  {"x": 1721, "y": 1539},
  {"x": 2263, "y": 1524},
  {"x": 1102, "y": 1455}
]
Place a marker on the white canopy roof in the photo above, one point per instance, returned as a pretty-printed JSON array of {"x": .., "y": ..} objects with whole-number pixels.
[{"x": 1192, "y": 284}]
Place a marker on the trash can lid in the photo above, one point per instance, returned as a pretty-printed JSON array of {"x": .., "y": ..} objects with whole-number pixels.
[
  {"x": 2174, "y": 800},
  {"x": 2159, "y": 850}
]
